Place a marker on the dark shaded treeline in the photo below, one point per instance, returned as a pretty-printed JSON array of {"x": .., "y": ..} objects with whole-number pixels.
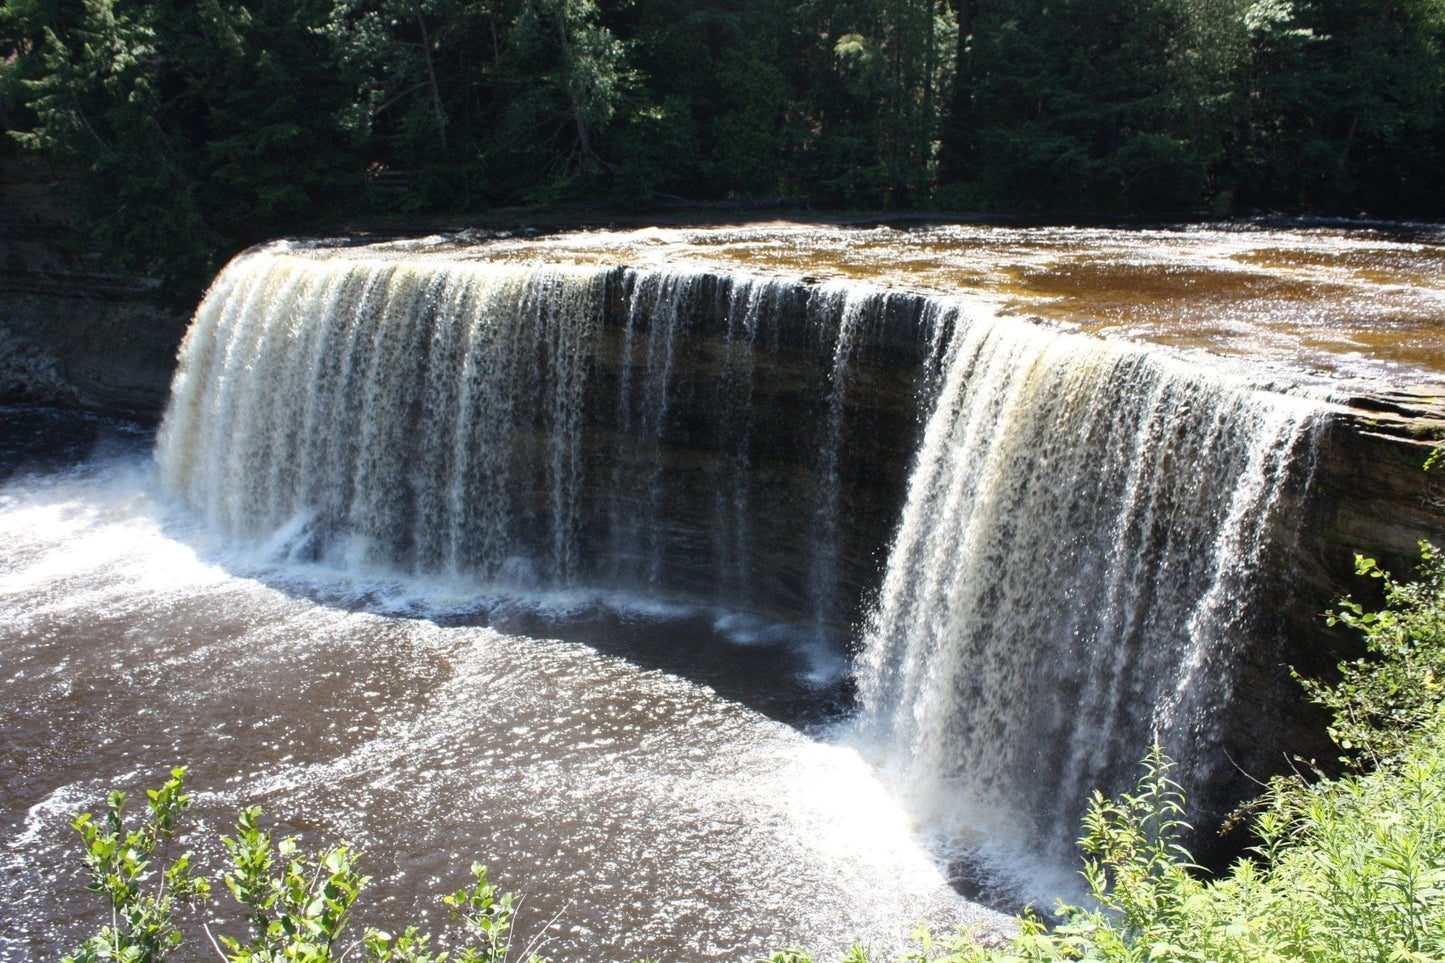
[{"x": 189, "y": 127}]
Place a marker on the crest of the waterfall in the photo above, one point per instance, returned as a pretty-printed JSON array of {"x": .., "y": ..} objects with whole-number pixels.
[{"x": 1071, "y": 577}]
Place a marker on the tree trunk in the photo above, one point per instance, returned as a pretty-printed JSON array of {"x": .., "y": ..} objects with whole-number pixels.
[
  {"x": 955, "y": 156},
  {"x": 431, "y": 76}
]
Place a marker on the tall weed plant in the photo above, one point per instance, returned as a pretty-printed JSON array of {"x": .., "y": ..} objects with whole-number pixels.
[{"x": 296, "y": 905}]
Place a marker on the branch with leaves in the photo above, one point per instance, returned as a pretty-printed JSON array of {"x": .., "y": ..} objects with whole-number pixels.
[{"x": 297, "y": 905}]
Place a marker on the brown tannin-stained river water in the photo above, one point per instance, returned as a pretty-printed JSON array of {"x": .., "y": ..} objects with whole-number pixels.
[
  {"x": 636, "y": 812},
  {"x": 1360, "y": 303},
  {"x": 675, "y": 779}
]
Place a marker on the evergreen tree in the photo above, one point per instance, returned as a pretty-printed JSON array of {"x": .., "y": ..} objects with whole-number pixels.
[
  {"x": 1081, "y": 105},
  {"x": 188, "y": 128},
  {"x": 108, "y": 104}
]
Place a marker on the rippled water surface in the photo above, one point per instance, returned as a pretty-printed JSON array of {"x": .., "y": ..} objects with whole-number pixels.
[{"x": 680, "y": 800}]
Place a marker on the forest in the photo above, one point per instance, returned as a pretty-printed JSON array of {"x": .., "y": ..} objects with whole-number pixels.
[{"x": 185, "y": 129}]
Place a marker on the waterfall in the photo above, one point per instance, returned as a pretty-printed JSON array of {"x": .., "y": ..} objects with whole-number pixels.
[
  {"x": 531, "y": 427},
  {"x": 383, "y": 412},
  {"x": 1072, "y": 575},
  {"x": 1073, "y": 572}
]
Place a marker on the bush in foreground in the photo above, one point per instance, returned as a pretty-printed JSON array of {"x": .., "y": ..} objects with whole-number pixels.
[
  {"x": 297, "y": 905},
  {"x": 1349, "y": 870}
]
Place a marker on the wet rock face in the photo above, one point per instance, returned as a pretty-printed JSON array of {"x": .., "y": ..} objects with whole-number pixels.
[
  {"x": 75, "y": 350},
  {"x": 1369, "y": 494},
  {"x": 28, "y": 373},
  {"x": 69, "y": 334},
  {"x": 812, "y": 447}
]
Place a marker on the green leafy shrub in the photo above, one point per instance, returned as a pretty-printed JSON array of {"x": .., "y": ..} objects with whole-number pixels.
[
  {"x": 297, "y": 905},
  {"x": 1384, "y": 699},
  {"x": 296, "y": 911},
  {"x": 143, "y": 883}
]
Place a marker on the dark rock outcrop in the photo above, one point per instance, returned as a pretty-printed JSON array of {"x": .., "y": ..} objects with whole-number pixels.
[
  {"x": 71, "y": 334},
  {"x": 1368, "y": 494}
]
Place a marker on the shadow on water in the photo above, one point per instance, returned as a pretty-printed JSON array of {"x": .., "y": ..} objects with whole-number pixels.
[
  {"x": 787, "y": 673},
  {"x": 792, "y": 673},
  {"x": 39, "y": 441},
  {"x": 796, "y": 673}
]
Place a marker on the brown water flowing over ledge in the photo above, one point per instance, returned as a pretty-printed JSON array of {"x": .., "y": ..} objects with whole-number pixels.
[
  {"x": 1357, "y": 305},
  {"x": 1363, "y": 304}
]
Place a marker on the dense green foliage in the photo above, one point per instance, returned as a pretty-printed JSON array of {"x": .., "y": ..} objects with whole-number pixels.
[
  {"x": 191, "y": 127},
  {"x": 1381, "y": 700},
  {"x": 1345, "y": 871}
]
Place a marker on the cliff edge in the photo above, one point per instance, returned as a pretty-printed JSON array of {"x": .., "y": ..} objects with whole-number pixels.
[{"x": 71, "y": 333}]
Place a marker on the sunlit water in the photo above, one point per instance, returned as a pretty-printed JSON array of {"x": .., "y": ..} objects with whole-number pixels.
[
  {"x": 638, "y": 811},
  {"x": 1356, "y": 306}
]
